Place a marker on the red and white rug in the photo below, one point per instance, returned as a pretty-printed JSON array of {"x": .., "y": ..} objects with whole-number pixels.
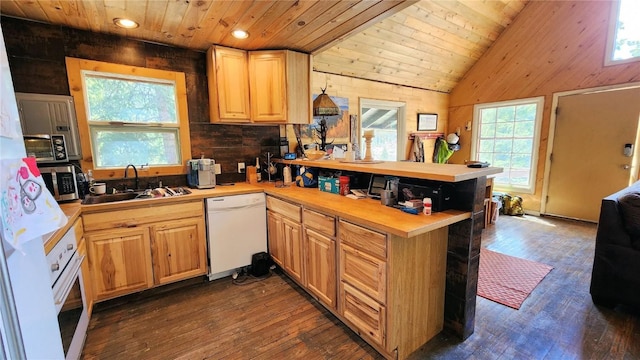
[{"x": 508, "y": 280}]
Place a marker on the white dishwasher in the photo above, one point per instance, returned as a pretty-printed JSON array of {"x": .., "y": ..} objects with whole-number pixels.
[{"x": 236, "y": 229}]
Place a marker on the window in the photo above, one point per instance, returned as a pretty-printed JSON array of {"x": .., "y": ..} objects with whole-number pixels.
[
  {"x": 623, "y": 41},
  {"x": 382, "y": 117},
  {"x": 130, "y": 115},
  {"x": 506, "y": 134}
]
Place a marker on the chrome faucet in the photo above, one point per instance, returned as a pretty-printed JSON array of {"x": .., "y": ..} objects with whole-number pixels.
[{"x": 135, "y": 171}]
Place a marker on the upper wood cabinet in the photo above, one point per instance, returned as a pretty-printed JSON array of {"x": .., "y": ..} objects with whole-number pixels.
[
  {"x": 227, "y": 73},
  {"x": 266, "y": 87},
  {"x": 279, "y": 84}
]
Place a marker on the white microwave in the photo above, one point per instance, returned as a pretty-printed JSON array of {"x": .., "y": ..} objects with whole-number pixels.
[{"x": 46, "y": 148}]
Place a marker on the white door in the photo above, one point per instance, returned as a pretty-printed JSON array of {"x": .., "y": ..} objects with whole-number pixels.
[{"x": 587, "y": 160}]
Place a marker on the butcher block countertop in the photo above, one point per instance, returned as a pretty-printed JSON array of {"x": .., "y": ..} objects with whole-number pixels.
[
  {"x": 368, "y": 212},
  {"x": 364, "y": 211},
  {"x": 408, "y": 169}
]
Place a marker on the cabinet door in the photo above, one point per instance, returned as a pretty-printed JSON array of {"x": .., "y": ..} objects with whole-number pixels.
[
  {"x": 321, "y": 266},
  {"x": 119, "y": 261},
  {"x": 275, "y": 237},
  {"x": 178, "y": 250},
  {"x": 228, "y": 78},
  {"x": 293, "y": 249},
  {"x": 267, "y": 86}
]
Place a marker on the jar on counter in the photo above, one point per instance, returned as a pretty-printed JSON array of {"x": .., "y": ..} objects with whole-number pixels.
[{"x": 344, "y": 185}]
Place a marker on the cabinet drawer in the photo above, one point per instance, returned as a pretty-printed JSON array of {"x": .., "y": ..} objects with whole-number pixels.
[
  {"x": 363, "y": 312},
  {"x": 320, "y": 222},
  {"x": 145, "y": 214},
  {"x": 285, "y": 208},
  {"x": 370, "y": 241},
  {"x": 363, "y": 271}
]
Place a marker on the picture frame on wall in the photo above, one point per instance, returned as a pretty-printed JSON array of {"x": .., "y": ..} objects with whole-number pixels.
[{"x": 427, "y": 122}]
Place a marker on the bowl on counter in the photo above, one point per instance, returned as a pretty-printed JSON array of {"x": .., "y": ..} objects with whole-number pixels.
[{"x": 314, "y": 154}]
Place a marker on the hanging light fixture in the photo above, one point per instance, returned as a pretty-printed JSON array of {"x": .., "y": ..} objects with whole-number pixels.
[{"x": 324, "y": 106}]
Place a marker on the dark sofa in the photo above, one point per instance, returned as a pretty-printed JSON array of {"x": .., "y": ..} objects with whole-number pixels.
[{"x": 616, "y": 266}]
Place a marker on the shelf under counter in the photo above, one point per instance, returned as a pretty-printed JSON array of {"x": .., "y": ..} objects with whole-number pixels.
[{"x": 367, "y": 212}]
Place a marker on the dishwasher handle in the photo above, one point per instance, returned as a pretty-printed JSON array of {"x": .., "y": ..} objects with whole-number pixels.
[{"x": 227, "y": 208}]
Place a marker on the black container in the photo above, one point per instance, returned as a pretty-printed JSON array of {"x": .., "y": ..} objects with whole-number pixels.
[
  {"x": 260, "y": 264},
  {"x": 441, "y": 194}
]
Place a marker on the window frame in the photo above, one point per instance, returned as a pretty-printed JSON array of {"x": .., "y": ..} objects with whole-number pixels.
[
  {"x": 76, "y": 66},
  {"x": 539, "y": 101},
  {"x": 611, "y": 38}
]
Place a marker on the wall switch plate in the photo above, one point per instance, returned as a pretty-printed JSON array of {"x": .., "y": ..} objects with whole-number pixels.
[
  {"x": 240, "y": 167},
  {"x": 217, "y": 169}
]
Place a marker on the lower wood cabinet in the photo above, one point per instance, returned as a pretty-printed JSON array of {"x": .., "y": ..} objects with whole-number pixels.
[
  {"x": 285, "y": 243},
  {"x": 120, "y": 261},
  {"x": 389, "y": 289},
  {"x": 293, "y": 259},
  {"x": 177, "y": 250},
  {"x": 133, "y": 253},
  {"x": 321, "y": 266}
]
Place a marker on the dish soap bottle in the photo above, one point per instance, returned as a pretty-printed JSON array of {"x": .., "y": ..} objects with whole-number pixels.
[{"x": 258, "y": 170}]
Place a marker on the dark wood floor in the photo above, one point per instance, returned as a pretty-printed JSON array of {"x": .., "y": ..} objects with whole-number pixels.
[{"x": 274, "y": 319}]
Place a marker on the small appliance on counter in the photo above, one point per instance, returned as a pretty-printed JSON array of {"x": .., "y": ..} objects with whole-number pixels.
[{"x": 201, "y": 173}]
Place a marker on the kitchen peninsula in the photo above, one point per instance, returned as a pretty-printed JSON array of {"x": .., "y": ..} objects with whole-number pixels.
[
  {"x": 394, "y": 278},
  {"x": 391, "y": 267}
]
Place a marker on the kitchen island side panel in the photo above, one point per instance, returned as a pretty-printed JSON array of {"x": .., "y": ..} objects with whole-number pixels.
[{"x": 463, "y": 259}]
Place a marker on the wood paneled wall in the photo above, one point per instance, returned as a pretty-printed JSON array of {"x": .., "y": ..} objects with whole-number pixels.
[
  {"x": 36, "y": 54},
  {"x": 417, "y": 100},
  {"x": 552, "y": 46}
]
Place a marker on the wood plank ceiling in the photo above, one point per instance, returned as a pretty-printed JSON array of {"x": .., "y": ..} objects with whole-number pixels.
[{"x": 423, "y": 44}]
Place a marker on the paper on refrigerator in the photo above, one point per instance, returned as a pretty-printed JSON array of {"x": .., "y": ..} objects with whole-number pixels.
[{"x": 28, "y": 208}]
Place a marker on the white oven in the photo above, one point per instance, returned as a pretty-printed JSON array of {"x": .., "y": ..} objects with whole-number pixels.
[{"x": 68, "y": 291}]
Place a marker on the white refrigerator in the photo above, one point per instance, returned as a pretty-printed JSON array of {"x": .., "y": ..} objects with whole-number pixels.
[{"x": 29, "y": 325}]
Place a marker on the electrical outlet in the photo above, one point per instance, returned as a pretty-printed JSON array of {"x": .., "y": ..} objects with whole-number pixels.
[
  {"x": 217, "y": 169},
  {"x": 241, "y": 167}
]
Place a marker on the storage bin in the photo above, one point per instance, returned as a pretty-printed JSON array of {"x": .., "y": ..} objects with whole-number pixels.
[{"x": 329, "y": 184}]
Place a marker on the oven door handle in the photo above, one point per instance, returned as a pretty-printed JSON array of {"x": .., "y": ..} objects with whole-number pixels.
[{"x": 64, "y": 290}]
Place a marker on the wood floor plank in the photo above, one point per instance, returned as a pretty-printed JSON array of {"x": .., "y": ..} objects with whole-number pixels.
[{"x": 275, "y": 319}]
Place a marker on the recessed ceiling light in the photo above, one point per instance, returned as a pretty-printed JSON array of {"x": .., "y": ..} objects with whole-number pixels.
[
  {"x": 240, "y": 34},
  {"x": 125, "y": 23}
]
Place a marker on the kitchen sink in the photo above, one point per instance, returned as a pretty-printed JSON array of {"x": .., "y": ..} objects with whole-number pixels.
[{"x": 131, "y": 195}]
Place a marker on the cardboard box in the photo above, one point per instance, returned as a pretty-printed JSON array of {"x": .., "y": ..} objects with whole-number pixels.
[{"x": 329, "y": 184}]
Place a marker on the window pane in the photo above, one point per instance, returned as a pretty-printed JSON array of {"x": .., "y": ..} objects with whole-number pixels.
[
  {"x": 119, "y": 147},
  {"x": 129, "y": 100},
  {"x": 524, "y": 129},
  {"x": 384, "y": 145},
  {"x": 504, "y": 130},
  {"x": 506, "y": 113},
  {"x": 503, "y": 146},
  {"x": 522, "y": 146},
  {"x": 502, "y": 160},
  {"x": 526, "y": 112},
  {"x": 488, "y": 130},
  {"x": 627, "y": 40},
  {"x": 488, "y": 116},
  {"x": 521, "y": 161},
  {"x": 486, "y": 145}
]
